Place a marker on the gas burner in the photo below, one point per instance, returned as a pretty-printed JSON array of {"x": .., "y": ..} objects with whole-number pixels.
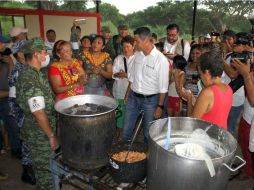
[{"x": 97, "y": 179}]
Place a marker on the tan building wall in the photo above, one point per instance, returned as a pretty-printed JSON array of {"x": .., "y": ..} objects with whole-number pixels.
[
  {"x": 33, "y": 25},
  {"x": 39, "y": 21},
  {"x": 62, "y": 25}
]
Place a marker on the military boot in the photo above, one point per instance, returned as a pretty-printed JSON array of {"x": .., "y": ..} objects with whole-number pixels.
[{"x": 28, "y": 175}]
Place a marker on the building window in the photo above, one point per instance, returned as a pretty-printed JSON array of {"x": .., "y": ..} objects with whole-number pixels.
[{"x": 9, "y": 21}]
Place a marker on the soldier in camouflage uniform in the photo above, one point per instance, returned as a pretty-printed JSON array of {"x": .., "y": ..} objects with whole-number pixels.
[
  {"x": 123, "y": 31},
  {"x": 109, "y": 48},
  {"x": 36, "y": 99}
]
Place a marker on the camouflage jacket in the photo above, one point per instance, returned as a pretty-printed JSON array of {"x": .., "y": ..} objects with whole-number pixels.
[
  {"x": 31, "y": 83},
  {"x": 109, "y": 48}
]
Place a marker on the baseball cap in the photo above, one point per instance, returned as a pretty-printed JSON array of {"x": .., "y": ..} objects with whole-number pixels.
[
  {"x": 105, "y": 29},
  {"x": 242, "y": 38},
  {"x": 122, "y": 27},
  {"x": 208, "y": 36},
  {"x": 35, "y": 44},
  {"x": 17, "y": 30},
  {"x": 4, "y": 40},
  {"x": 215, "y": 34}
]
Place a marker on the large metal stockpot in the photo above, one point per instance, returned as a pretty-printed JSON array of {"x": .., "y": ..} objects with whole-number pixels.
[
  {"x": 167, "y": 170},
  {"x": 86, "y": 139}
]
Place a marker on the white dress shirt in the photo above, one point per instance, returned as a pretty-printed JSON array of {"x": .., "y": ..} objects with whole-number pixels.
[
  {"x": 149, "y": 73},
  {"x": 120, "y": 85},
  {"x": 50, "y": 45}
]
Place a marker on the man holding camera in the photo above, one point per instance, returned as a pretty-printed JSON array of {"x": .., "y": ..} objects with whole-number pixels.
[
  {"x": 232, "y": 77},
  {"x": 246, "y": 127}
]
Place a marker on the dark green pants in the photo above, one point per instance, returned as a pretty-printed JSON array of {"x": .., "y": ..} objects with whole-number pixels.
[{"x": 41, "y": 155}]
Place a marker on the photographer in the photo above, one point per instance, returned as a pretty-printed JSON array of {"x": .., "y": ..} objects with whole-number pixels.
[
  {"x": 231, "y": 76},
  {"x": 6, "y": 65},
  {"x": 246, "y": 126}
]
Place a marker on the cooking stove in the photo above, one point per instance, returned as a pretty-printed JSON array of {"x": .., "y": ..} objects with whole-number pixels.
[{"x": 97, "y": 179}]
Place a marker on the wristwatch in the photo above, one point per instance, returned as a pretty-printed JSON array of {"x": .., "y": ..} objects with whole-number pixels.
[{"x": 160, "y": 106}]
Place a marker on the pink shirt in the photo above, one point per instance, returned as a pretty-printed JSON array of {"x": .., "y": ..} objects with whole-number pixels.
[{"x": 222, "y": 104}]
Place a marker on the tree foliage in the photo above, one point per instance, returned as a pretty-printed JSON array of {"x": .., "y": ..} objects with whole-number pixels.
[
  {"x": 211, "y": 15},
  {"x": 231, "y": 8},
  {"x": 110, "y": 13},
  {"x": 15, "y": 4}
]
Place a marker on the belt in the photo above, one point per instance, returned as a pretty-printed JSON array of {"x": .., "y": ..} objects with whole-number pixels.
[{"x": 143, "y": 96}]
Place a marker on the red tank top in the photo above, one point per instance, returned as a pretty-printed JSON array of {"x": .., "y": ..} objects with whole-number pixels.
[{"x": 222, "y": 104}]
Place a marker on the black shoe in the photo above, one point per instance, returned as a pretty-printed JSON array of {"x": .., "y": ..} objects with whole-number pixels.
[{"x": 28, "y": 175}]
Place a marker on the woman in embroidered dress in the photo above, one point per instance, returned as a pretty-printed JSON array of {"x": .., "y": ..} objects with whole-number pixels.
[
  {"x": 66, "y": 75},
  {"x": 98, "y": 66}
]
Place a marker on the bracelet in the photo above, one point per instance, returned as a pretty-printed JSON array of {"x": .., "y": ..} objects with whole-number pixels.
[{"x": 52, "y": 135}]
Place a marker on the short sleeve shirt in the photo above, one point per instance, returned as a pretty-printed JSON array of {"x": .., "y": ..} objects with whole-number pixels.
[
  {"x": 150, "y": 73},
  {"x": 31, "y": 83}
]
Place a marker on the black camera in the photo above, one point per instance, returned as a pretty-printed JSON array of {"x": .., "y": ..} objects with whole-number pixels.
[{"x": 243, "y": 57}]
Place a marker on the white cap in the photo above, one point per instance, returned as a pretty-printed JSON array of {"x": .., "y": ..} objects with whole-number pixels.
[
  {"x": 15, "y": 31},
  {"x": 208, "y": 36}
]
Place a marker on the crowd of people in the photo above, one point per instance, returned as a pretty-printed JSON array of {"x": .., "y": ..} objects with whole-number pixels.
[{"x": 211, "y": 79}]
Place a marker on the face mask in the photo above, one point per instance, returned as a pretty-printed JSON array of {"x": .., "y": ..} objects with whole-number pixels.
[{"x": 46, "y": 62}]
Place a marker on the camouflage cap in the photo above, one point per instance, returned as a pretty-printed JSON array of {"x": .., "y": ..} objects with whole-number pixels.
[
  {"x": 105, "y": 29},
  {"x": 122, "y": 27},
  {"x": 35, "y": 44}
]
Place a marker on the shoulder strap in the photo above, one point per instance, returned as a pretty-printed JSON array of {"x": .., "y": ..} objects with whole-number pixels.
[{"x": 125, "y": 64}]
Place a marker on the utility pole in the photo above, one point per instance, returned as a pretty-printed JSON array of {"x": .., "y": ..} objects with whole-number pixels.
[
  {"x": 97, "y": 6},
  {"x": 194, "y": 20},
  {"x": 39, "y": 6}
]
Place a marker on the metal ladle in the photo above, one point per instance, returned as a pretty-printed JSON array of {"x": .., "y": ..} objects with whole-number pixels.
[{"x": 138, "y": 124}]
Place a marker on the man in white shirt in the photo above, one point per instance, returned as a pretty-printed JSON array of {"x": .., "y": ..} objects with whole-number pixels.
[
  {"x": 50, "y": 42},
  {"x": 174, "y": 45},
  {"x": 148, "y": 84}
]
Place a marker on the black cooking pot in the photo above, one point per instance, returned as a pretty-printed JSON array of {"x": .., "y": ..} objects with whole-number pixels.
[
  {"x": 86, "y": 139},
  {"x": 128, "y": 172}
]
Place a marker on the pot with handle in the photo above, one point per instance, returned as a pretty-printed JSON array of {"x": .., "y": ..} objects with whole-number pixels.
[
  {"x": 86, "y": 139},
  {"x": 167, "y": 170}
]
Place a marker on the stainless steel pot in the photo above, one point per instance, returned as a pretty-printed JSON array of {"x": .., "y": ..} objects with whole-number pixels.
[
  {"x": 86, "y": 139},
  {"x": 166, "y": 170}
]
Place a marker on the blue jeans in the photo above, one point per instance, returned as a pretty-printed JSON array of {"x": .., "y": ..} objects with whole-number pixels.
[
  {"x": 233, "y": 116},
  {"x": 11, "y": 126},
  {"x": 134, "y": 106}
]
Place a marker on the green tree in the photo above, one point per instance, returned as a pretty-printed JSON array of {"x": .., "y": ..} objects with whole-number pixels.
[
  {"x": 77, "y": 6},
  {"x": 231, "y": 7},
  {"x": 110, "y": 13},
  {"x": 15, "y": 4},
  {"x": 229, "y": 14}
]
